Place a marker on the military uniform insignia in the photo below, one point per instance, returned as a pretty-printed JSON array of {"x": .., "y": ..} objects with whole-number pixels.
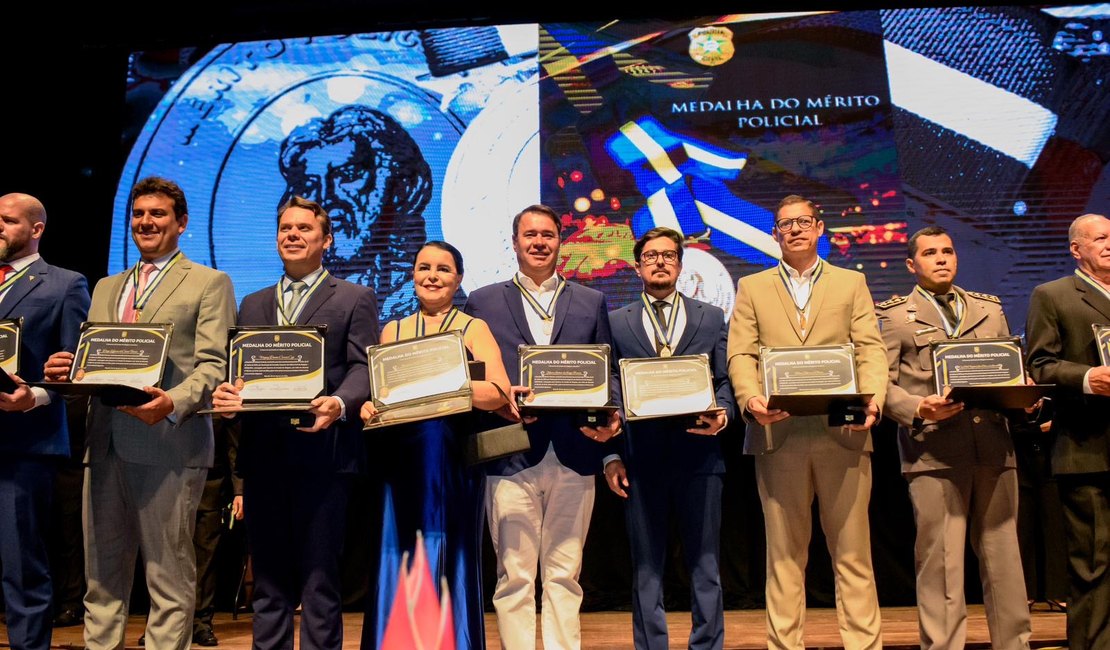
[
  {"x": 893, "y": 302},
  {"x": 984, "y": 296}
]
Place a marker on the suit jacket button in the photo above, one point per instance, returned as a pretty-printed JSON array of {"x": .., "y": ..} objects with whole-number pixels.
[{"x": 976, "y": 419}]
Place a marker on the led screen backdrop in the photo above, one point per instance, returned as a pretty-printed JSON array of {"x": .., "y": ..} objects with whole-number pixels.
[{"x": 988, "y": 121}]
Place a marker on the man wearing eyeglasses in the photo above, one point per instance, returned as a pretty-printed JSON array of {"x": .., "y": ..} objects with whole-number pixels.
[
  {"x": 674, "y": 464},
  {"x": 805, "y": 301}
]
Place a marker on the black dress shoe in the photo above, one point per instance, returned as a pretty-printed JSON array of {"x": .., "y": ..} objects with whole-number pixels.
[
  {"x": 142, "y": 640},
  {"x": 205, "y": 637},
  {"x": 69, "y": 617}
]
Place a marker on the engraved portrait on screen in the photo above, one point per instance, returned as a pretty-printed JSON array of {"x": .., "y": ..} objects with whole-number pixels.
[{"x": 369, "y": 174}]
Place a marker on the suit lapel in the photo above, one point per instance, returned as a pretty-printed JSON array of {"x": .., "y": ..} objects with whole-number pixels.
[
  {"x": 819, "y": 290},
  {"x": 175, "y": 275},
  {"x": 694, "y": 315},
  {"x": 25, "y": 285},
  {"x": 515, "y": 304},
  {"x": 562, "y": 312},
  {"x": 322, "y": 294},
  {"x": 634, "y": 321},
  {"x": 1093, "y": 298},
  {"x": 925, "y": 313},
  {"x": 269, "y": 309},
  {"x": 973, "y": 315}
]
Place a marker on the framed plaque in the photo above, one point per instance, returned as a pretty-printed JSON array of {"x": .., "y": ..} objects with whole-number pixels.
[
  {"x": 281, "y": 368},
  {"x": 1102, "y": 340},
  {"x": 418, "y": 379},
  {"x": 812, "y": 380},
  {"x": 114, "y": 361},
  {"x": 9, "y": 353},
  {"x": 984, "y": 373},
  {"x": 565, "y": 376},
  {"x": 659, "y": 387}
]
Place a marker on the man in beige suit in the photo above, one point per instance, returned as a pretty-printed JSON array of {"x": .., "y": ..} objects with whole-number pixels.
[
  {"x": 146, "y": 465},
  {"x": 959, "y": 463},
  {"x": 807, "y": 301}
]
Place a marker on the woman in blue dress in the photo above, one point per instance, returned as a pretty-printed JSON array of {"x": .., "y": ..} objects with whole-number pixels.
[{"x": 427, "y": 485}]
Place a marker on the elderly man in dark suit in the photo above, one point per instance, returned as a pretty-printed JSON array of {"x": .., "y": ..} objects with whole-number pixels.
[
  {"x": 539, "y": 502},
  {"x": 146, "y": 464},
  {"x": 672, "y": 468},
  {"x": 52, "y": 303},
  {"x": 1063, "y": 351},
  {"x": 297, "y": 475},
  {"x": 959, "y": 463}
]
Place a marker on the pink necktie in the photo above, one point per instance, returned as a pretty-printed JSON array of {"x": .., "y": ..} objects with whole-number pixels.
[
  {"x": 4, "y": 271},
  {"x": 130, "y": 314}
]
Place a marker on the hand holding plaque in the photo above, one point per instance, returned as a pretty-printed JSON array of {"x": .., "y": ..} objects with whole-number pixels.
[
  {"x": 115, "y": 361},
  {"x": 660, "y": 387},
  {"x": 417, "y": 379},
  {"x": 814, "y": 380},
  {"x": 566, "y": 378},
  {"x": 984, "y": 373},
  {"x": 273, "y": 369},
  {"x": 1102, "y": 341},
  {"x": 9, "y": 353}
]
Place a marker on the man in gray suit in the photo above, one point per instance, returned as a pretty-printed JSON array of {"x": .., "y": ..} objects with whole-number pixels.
[
  {"x": 959, "y": 463},
  {"x": 1063, "y": 351},
  {"x": 146, "y": 465}
]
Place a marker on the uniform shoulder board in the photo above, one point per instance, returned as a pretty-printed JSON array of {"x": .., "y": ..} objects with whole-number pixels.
[
  {"x": 896, "y": 300},
  {"x": 985, "y": 296}
]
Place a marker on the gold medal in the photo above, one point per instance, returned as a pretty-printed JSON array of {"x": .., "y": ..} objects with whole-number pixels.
[
  {"x": 665, "y": 351},
  {"x": 548, "y": 326},
  {"x": 138, "y": 314}
]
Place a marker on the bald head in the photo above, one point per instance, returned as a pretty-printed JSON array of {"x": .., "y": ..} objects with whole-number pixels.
[
  {"x": 22, "y": 220},
  {"x": 1079, "y": 227}
]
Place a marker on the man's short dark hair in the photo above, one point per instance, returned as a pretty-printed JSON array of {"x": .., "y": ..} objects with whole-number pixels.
[
  {"x": 927, "y": 231},
  {"x": 158, "y": 185},
  {"x": 308, "y": 204},
  {"x": 795, "y": 198},
  {"x": 538, "y": 209},
  {"x": 656, "y": 233}
]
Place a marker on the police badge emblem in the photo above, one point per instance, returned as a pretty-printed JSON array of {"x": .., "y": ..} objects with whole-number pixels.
[{"x": 711, "y": 45}]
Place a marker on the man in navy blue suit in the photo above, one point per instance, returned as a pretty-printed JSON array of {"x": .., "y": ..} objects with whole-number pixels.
[
  {"x": 297, "y": 475},
  {"x": 52, "y": 303},
  {"x": 672, "y": 467},
  {"x": 539, "y": 502}
]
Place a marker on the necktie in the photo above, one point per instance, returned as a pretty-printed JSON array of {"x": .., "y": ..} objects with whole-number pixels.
[
  {"x": 946, "y": 307},
  {"x": 4, "y": 271},
  {"x": 298, "y": 288},
  {"x": 130, "y": 314},
  {"x": 660, "y": 315}
]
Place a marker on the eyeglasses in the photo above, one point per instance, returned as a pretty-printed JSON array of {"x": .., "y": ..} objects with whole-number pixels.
[
  {"x": 651, "y": 257},
  {"x": 786, "y": 225}
]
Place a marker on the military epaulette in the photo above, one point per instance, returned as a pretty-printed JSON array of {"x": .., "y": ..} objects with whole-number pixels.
[
  {"x": 984, "y": 296},
  {"x": 896, "y": 300}
]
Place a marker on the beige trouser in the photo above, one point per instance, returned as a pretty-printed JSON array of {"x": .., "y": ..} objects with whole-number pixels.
[
  {"x": 813, "y": 464},
  {"x": 539, "y": 517},
  {"x": 943, "y": 502}
]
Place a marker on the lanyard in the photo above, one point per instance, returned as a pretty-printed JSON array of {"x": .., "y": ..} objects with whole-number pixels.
[
  {"x": 141, "y": 299},
  {"x": 953, "y": 330},
  {"x": 11, "y": 279},
  {"x": 547, "y": 315},
  {"x": 443, "y": 326},
  {"x": 292, "y": 318},
  {"x": 663, "y": 331},
  {"x": 1082, "y": 275},
  {"x": 786, "y": 282}
]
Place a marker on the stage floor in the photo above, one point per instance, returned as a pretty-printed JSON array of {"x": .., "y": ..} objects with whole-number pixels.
[{"x": 613, "y": 630}]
